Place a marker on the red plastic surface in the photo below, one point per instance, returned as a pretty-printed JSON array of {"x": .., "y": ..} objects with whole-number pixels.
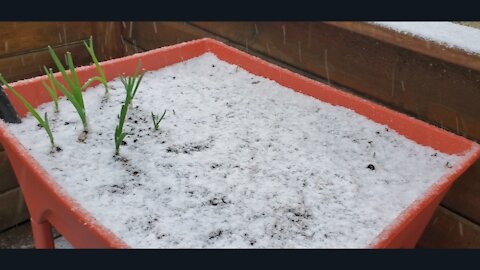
[{"x": 48, "y": 204}]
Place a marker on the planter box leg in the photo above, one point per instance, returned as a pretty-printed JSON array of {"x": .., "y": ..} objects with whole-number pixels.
[{"x": 42, "y": 234}]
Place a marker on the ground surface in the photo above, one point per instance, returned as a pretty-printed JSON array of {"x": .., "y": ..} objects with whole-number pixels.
[{"x": 20, "y": 237}]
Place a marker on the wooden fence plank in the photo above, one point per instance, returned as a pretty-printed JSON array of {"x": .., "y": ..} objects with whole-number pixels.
[
  {"x": 152, "y": 35},
  {"x": 129, "y": 48},
  {"x": 464, "y": 196},
  {"x": 13, "y": 209},
  {"x": 20, "y": 37},
  {"x": 31, "y": 64},
  {"x": 7, "y": 176},
  {"x": 448, "y": 230},
  {"x": 107, "y": 40}
]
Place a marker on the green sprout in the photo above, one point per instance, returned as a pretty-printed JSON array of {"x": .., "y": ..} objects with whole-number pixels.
[
  {"x": 129, "y": 82},
  {"x": 52, "y": 90},
  {"x": 156, "y": 120},
  {"x": 43, "y": 122},
  {"x": 119, "y": 134},
  {"x": 131, "y": 86},
  {"x": 75, "y": 96},
  {"x": 102, "y": 79}
]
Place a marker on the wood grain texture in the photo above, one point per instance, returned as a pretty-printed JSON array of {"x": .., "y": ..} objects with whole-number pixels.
[
  {"x": 21, "y": 37},
  {"x": 107, "y": 40},
  {"x": 129, "y": 48},
  {"x": 7, "y": 176},
  {"x": 448, "y": 230},
  {"x": 464, "y": 196},
  {"x": 31, "y": 64},
  {"x": 13, "y": 209},
  {"x": 152, "y": 35}
]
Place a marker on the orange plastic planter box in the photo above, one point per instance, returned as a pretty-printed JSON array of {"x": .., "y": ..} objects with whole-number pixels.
[{"x": 49, "y": 205}]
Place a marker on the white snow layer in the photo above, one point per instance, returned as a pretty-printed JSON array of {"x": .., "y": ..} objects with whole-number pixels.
[
  {"x": 240, "y": 161},
  {"x": 445, "y": 33}
]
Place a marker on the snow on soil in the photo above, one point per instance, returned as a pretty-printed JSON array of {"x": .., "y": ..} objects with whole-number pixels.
[
  {"x": 446, "y": 33},
  {"x": 240, "y": 161}
]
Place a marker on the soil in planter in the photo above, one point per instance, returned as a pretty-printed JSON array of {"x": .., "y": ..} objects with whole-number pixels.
[{"x": 239, "y": 161}]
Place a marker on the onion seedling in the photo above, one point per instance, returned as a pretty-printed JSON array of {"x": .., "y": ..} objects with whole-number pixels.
[
  {"x": 131, "y": 86},
  {"x": 75, "y": 96},
  {"x": 52, "y": 90},
  {"x": 43, "y": 122},
  {"x": 156, "y": 120},
  {"x": 119, "y": 134},
  {"x": 102, "y": 79}
]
